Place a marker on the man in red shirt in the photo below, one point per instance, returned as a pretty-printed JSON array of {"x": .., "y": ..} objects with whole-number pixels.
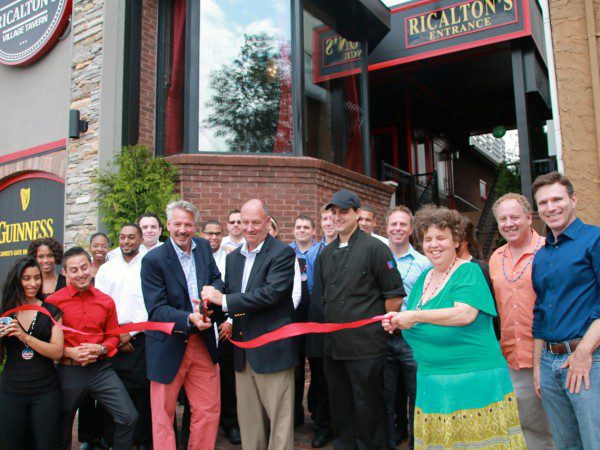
[{"x": 83, "y": 368}]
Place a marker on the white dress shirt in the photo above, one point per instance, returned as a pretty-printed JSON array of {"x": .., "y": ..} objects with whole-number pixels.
[
  {"x": 188, "y": 265},
  {"x": 219, "y": 257},
  {"x": 250, "y": 257},
  {"x": 297, "y": 289},
  {"x": 381, "y": 238},
  {"x": 116, "y": 252},
  {"x": 227, "y": 242},
  {"x": 122, "y": 281}
]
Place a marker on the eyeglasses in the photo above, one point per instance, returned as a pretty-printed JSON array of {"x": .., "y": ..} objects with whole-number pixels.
[
  {"x": 232, "y": 222},
  {"x": 213, "y": 233}
]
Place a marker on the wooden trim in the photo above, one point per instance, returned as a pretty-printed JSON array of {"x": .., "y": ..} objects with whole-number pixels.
[{"x": 33, "y": 151}]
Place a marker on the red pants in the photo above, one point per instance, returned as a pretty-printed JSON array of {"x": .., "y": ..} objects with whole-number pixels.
[{"x": 200, "y": 377}]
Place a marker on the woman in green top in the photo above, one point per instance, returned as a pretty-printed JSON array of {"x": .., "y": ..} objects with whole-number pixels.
[{"x": 465, "y": 398}]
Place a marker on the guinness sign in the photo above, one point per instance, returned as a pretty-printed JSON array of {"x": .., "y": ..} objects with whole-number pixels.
[
  {"x": 32, "y": 208},
  {"x": 29, "y": 28}
]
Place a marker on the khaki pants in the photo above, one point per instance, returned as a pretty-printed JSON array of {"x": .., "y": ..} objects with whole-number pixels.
[
  {"x": 533, "y": 418},
  {"x": 262, "y": 398}
]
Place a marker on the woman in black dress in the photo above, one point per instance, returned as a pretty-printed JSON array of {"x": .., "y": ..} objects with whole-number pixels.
[
  {"x": 29, "y": 393},
  {"x": 48, "y": 253}
]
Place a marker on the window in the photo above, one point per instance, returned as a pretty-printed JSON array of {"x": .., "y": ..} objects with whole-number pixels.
[
  {"x": 483, "y": 189},
  {"x": 245, "y": 76},
  {"x": 332, "y": 90}
]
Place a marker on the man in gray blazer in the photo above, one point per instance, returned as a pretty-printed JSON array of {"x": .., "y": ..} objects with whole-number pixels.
[{"x": 258, "y": 295}]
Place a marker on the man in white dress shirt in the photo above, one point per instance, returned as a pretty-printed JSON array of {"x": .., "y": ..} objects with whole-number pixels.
[
  {"x": 213, "y": 232},
  {"x": 120, "y": 278},
  {"x": 367, "y": 223},
  {"x": 151, "y": 227},
  {"x": 235, "y": 238}
]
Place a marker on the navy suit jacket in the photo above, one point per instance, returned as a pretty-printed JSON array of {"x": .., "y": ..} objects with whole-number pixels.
[
  {"x": 167, "y": 300},
  {"x": 265, "y": 306}
]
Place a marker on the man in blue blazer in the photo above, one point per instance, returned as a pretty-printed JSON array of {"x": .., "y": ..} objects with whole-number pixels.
[
  {"x": 259, "y": 279},
  {"x": 172, "y": 277}
]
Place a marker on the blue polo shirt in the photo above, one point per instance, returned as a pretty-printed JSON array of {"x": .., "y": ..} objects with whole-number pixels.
[
  {"x": 411, "y": 265},
  {"x": 311, "y": 257},
  {"x": 566, "y": 280}
]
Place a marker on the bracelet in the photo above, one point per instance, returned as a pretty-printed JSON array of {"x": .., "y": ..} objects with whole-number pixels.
[{"x": 104, "y": 349}]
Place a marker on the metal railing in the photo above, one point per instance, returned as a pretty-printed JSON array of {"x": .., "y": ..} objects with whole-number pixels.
[
  {"x": 486, "y": 227},
  {"x": 412, "y": 190}
]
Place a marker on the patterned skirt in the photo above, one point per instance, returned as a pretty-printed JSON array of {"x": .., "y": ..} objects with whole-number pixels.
[{"x": 467, "y": 410}]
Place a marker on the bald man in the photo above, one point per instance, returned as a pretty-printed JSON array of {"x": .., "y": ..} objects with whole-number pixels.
[{"x": 258, "y": 295}]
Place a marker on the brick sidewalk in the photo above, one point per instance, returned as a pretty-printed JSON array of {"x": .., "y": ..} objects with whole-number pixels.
[{"x": 302, "y": 437}]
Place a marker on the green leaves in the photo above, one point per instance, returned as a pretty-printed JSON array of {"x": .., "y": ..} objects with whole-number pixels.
[{"x": 135, "y": 182}]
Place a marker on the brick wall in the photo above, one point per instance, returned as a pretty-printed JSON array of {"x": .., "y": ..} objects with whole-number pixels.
[
  {"x": 289, "y": 186},
  {"x": 148, "y": 72},
  {"x": 468, "y": 170},
  {"x": 53, "y": 163}
]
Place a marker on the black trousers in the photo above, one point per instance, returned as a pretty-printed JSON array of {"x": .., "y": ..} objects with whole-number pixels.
[
  {"x": 227, "y": 374},
  {"x": 89, "y": 421},
  {"x": 356, "y": 403},
  {"x": 299, "y": 381},
  {"x": 100, "y": 381},
  {"x": 131, "y": 369},
  {"x": 318, "y": 396},
  {"x": 143, "y": 429},
  {"x": 21, "y": 414}
]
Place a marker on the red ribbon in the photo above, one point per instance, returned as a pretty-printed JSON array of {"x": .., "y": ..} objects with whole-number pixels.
[
  {"x": 287, "y": 331},
  {"x": 165, "y": 327},
  {"x": 297, "y": 329}
]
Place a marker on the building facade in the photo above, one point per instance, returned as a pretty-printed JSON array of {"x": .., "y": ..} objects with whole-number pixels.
[
  {"x": 575, "y": 31},
  {"x": 287, "y": 100}
]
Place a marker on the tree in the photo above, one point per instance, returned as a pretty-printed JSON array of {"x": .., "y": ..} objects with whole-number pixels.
[
  {"x": 135, "y": 182},
  {"x": 251, "y": 104}
]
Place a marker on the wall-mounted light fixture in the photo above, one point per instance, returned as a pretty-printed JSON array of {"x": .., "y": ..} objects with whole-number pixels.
[{"x": 76, "y": 125}]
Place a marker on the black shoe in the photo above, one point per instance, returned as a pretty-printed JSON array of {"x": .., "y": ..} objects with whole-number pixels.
[
  {"x": 321, "y": 439},
  {"x": 399, "y": 437},
  {"x": 103, "y": 444},
  {"x": 86, "y": 446},
  {"x": 233, "y": 435}
]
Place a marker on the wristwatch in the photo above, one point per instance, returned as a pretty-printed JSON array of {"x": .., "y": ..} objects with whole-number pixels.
[{"x": 104, "y": 350}]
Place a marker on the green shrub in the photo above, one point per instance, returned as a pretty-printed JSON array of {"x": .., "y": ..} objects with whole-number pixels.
[{"x": 135, "y": 182}]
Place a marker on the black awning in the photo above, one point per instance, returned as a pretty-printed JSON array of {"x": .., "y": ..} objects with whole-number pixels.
[{"x": 356, "y": 19}]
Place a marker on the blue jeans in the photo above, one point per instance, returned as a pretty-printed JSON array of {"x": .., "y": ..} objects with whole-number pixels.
[
  {"x": 574, "y": 418},
  {"x": 399, "y": 361}
]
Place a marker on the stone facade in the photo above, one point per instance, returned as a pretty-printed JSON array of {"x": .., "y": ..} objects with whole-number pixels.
[
  {"x": 575, "y": 100},
  {"x": 288, "y": 185},
  {"x": 81, "y": 207}
]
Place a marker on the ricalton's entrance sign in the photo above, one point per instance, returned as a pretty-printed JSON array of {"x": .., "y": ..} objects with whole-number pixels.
[
  {"x": 425, "y": 29},
  {"x": 29, "y": 28}
]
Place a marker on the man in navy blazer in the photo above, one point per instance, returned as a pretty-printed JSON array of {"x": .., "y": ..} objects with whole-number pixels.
[
  {"x": 259, "y": 279},
  {"x": 172, "y": 277}
]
